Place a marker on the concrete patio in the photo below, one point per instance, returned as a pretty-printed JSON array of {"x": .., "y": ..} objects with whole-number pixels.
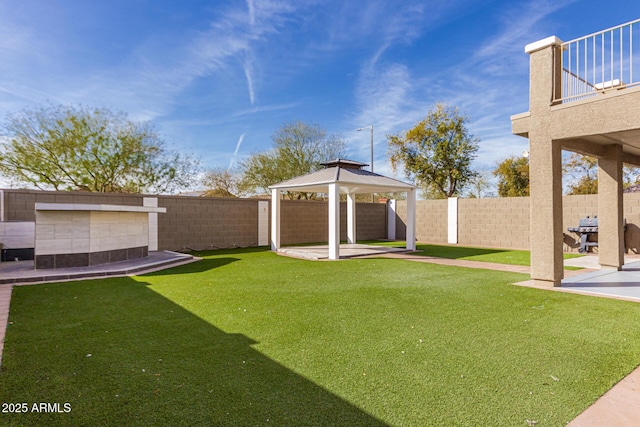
[
  {"x": 607, "y": 281},
  {"x": 597, "y": 281},
  {"x": 349, "y": 250}
]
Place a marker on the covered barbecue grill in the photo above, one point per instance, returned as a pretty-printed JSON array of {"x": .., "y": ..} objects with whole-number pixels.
[{"x": 587, "y": 227}]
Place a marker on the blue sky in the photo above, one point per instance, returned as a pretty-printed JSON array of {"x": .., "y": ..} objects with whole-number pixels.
[{"x": 217, "y": 78}]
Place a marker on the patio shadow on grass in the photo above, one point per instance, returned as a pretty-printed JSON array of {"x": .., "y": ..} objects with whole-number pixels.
[
  {"x": 456, "y": 252},
  {"x": 137, "y": 358},
  {"x": 195, "y": 267}
]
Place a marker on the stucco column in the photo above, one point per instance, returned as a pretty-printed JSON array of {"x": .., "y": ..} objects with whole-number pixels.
[
  {"x": 351, "y": 218},
  {"x": 334, "y": 222},
  {"x": 610, "y": 209},
  {"x": 275, "y": 220},
  {"x": 391, "y": 220},
  {"x": 411, "y": 220},
  {"x": 546, "y": 236},
  {"x": 153, "y": 222},
  {"x": 545, "y": 164}
]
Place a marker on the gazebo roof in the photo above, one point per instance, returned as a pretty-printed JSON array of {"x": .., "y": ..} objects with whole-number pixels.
[{"x": 349, "y": 176}]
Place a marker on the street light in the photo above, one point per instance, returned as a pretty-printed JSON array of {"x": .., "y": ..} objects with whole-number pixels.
[{"x": 369, "y": 127}]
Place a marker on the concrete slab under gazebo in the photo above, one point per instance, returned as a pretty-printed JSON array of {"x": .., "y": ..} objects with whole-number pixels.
[{"x": 348, "y": 177}]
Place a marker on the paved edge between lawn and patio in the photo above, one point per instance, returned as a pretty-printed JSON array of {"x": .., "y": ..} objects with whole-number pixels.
[{"x": 618, "y": 407}]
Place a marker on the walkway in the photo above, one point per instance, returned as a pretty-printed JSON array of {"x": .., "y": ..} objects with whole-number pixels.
[{"x": 347, "y": 250}]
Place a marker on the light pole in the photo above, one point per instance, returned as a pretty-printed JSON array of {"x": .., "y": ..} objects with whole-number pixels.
[{"x": 369, "y": 127}]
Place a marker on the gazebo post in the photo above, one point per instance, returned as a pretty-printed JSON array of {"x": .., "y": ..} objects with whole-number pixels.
[
  {"x": 275, "y": 219},
  {"x": 351, "y": 218},
  {"x": 334, "y": 221},
  {"x": 411, "y": 220}
]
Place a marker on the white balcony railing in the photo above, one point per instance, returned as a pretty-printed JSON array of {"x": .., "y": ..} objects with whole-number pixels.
[{"x": 600, "y": 62}]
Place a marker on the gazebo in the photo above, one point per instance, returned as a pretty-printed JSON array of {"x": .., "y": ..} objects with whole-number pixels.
[{"x": 348, "y": 177}]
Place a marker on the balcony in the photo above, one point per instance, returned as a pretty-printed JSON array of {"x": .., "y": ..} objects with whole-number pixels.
[{"x": 599, "y": 63}]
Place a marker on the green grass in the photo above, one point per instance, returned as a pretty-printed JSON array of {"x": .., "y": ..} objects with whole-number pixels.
[
  {"x": 246, "y": 337},
  {"x": 496, "y": 255}
]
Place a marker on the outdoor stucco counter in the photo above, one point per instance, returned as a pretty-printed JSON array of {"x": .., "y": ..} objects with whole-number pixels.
[{"x": 78, "y": 235}]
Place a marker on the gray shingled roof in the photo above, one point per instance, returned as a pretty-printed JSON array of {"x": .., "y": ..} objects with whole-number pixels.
[{"x": 350, "y": 180}]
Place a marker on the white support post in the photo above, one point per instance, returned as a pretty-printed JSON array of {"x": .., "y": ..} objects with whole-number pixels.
[
  {"x": 153, "y": 222},
  {"x": 275, "y": 220},
  {"x": 1, "y": 205},
  {"x": 411, "y": 220},
  {"x": 334, "y": 222},
  {"x": 452, "y": 220},
  {"x": 391, "y": 220},
  {"x": 351, "y": 218},
  {"x": 263, "y": 223}
]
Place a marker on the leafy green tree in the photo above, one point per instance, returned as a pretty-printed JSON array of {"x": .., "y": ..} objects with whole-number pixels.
[
  {"x": 513, "y": 177},
  {"x": 298, "y": 149},
  {"x": 79, "y": 148},
  {"x": 437, "y": 152}
]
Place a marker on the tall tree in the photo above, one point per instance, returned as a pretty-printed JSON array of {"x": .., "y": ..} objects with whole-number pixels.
[
  {"x": 513, "y": 177},
  {"x": 221, "y": 182},
  {"x": 479, "y": 186},
  {"x": 79, "y": 148},
  {"x": 584, "y": 171},
  {"x": 437, "y": 152},
  {"x": 298, "y": 149}
]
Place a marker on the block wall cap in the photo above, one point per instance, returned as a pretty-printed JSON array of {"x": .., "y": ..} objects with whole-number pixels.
[{"x": 541, "y": 44}]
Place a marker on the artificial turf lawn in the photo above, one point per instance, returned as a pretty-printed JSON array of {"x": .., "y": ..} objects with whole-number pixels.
[
  {"x": 496, "y": 255},
  {"x": 252, "y": 338}
]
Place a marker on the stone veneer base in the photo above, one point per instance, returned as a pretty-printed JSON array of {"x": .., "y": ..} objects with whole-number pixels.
[{"x": 89, "y": 258}]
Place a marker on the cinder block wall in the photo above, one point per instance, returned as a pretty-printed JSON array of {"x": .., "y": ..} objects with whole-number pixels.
[
  {"x": 20, "y": 204},
  {"x": 500, "y": 222},
  {"x": 307, "y": 221},
  {"x": 632, "y": 215},
  {"x": 576, "y": 207},
  {"x": 431, "y": 220},
  {"x": 200, "y": 222}
]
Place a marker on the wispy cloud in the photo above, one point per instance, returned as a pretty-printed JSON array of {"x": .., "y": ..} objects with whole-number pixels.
[
  {"x": 248, "y": 72},
  {"x": 234, "y": 157},
  {"x": 385, "y": 98},
  {"x": 520, "y": 26},
  {"x": 394, "y": 96},
  {"x": 148, "y": 81}
]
